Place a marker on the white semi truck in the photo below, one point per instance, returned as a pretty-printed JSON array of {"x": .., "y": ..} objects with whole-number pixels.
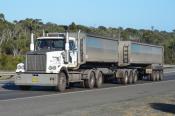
[{"x": 59, "y": 59}]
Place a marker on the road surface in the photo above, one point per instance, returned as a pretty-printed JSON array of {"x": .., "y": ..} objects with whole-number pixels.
[{"x": 39, "y": 102}]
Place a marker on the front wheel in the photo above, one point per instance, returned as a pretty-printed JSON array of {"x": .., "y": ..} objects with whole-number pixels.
[{"x": 61, "y": 82}]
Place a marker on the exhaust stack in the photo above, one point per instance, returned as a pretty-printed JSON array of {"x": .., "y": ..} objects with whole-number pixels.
[
  {"x": 67, "y": 48},
  {"x": 44, "y": 33},
  {"x": 32, "y": 46},
  {"x": 78, "y": 43}
]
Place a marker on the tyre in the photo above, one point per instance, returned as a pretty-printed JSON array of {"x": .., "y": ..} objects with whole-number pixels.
[
  {"x": 61, "y": 82},
  {"x": 130, "y": 79},
  {"x": 90, "y": 82},
  {"x": 149, "y": 77},
  {"x": 157, "y": 76},
  {"x": 160, "y": 75},
  {"x": 24, "y": 87},
  {"x": 119, "y": 80},
  {"x": 153, "y": 76},
  {"x": 135, "y": 77},
  {"x": 124, "y": 80},
  {"x": 99, "y": 79}
]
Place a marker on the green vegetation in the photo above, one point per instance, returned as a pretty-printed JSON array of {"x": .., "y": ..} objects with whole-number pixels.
[
  {"x": 9, "y": 62},
  {"x": 15, "y": 38}
]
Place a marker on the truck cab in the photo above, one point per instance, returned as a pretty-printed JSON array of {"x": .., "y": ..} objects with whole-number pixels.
[
  {"x": 54, "y": 48},
  {"x": 50, "y": 55}
]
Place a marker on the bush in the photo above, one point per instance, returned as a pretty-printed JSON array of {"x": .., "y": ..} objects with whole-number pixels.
[{"x": 8, "y": 62}]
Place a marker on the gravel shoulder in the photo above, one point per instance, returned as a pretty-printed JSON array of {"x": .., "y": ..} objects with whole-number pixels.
[{"x": 162, "y": 104}]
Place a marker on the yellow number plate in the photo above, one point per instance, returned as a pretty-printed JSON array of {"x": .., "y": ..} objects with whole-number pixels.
[{"x": 35, "y": 79}]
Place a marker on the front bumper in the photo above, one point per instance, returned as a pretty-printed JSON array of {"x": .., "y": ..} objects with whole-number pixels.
[{"x": 36, "y": 79}]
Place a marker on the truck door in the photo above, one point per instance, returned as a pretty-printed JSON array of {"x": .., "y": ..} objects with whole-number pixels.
[{"x": 73, "y": 54}]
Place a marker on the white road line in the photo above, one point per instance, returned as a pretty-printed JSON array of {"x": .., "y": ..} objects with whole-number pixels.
[
  {"x": 92, "y": 90},
  {"x": 2, "y": 90}
]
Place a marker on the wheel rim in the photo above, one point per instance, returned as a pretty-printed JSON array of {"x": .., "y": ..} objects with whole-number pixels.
[
  {"x": 131, "y": 77},
  {"x": 135, "y": 78},
  {"x": 92, "y": 79},
  {"x": 161, "y": 75},
  {"x": 100, "y": 80},
  {"x": 154, "y": 79},
  {"x": 62, "y": 82},
  {"x": 157, "y": 76},
  {"x": 125, "y": 78}
]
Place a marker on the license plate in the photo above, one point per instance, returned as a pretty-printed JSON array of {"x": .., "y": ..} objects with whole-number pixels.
[{"x": 35, "y": 79}]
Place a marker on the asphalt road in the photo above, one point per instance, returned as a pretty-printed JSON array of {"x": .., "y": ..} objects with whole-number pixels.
[
  {"x": 10, "y": 91},
  {"x": 46, "y": 102}
]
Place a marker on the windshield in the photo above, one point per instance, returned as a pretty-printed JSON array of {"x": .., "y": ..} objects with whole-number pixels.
[{"x": 50, "y": 44}]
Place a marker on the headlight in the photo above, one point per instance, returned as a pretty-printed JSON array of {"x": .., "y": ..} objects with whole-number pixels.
[
  {"x": 54, "y": 67},
  {"x": 20, "y": 66}
]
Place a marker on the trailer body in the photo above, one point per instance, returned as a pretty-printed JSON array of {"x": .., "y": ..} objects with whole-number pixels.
[
  {"x": 140, "y": 53},
  {"x": 101, "y": 50}
]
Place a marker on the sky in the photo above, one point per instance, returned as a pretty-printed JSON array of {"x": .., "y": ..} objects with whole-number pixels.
[{"x": 138, "y": 14}]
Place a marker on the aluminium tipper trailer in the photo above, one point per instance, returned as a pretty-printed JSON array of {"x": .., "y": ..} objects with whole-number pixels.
[{"x": 140, "y": 53}]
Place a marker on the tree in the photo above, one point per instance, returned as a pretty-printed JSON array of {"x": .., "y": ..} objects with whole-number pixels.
[
  {"x": 173, "y": 30},
  {"x": 73, "y": 27},
  {"x": 102, "y": 27},
  {"x": 2, "y": 17}
]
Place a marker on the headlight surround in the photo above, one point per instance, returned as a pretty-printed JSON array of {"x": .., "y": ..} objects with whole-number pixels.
[{"x": 20, "y": 66}]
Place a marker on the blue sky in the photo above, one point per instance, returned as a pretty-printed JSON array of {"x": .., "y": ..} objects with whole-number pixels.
[{"x": 139, "y": 14}]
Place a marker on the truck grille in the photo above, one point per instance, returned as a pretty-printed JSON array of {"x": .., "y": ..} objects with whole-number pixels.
[{"x": 36, "y": 62}]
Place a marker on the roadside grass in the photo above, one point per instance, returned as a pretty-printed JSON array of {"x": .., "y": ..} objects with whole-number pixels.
[
  {"x": 2, "y": 77},
  {"x": 9, "y": 62}
]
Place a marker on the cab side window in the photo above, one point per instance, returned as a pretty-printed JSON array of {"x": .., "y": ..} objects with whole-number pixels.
[{"x": 71, "y": 45}]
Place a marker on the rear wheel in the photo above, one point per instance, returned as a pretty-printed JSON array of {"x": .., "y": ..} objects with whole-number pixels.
[
  {"x": 149, "y": 77},
  {"x": 24, "y": 87},
  {"x": 130, "y": 80},
  {"x": 153, "y": 76},
  {"x": 119, "y": 81},
  {"x": 124, "y": 80},
  {"x": 135, "y": 77},
  {"x": 61, "y": 82},
  {"x": 99, "y": 79},
  {"x": 157, "y": 76},
  {"x": 160, "y": 75},
  {"x": 90, "y": 82}
]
